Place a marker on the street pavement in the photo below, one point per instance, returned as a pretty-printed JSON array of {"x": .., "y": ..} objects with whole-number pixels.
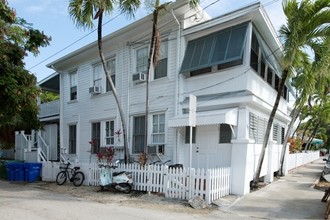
[{"x": 290, "y": 197}]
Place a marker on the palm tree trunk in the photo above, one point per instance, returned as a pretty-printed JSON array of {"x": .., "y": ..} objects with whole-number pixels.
[
  {"x": 287, "y": 135},
  {"x": 151, "y": 54},
  {"x": 114, "y": 92},
  {"x": 269, "y": 127}
]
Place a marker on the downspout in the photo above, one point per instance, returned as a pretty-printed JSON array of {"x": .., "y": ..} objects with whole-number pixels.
[
  {"x": 128, "y": 131},
  {"x": 178, "y": 51}
]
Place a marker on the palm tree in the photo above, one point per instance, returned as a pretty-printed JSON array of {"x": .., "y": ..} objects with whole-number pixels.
[
  {"x": 307, "y": 23},
  {"x": 83, "y": 12},
  {"x": 154, "y": 53}
]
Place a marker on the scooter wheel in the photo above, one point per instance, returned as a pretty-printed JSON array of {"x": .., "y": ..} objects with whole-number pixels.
[{"x": 126, "y": 187}]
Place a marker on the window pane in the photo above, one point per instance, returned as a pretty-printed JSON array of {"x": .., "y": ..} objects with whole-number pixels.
[
  {"x": 158, "y": 129},
  {"x": 161, "y": 69},
  {"x": 72, "y": 139},
  {"x": 235, "y": 46},
  {"x": 138, "y": 134},
  {"x": 220, "y": 48},
  {"x": 187, "y": 139},
  {"x": 225, "y": 133},
  {"x": 96, "y": 136},
  {"x": 141, "y": 59}
]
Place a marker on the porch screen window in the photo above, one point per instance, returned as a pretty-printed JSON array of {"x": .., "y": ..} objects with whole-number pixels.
[
  {"x": 158, "y": 129},
  {"x": 72, "y": 139},
  {"x": 142, "y": 60},
  {"x": 97, "y": 75},
  {"x": 225, "y": 133},
  {"x": 109, "y": 133},
  {"x": 138, "y": 134},
  {"x": 73, "y": 85},
  {"x": 111, "y": 65},
  {"x": 223, "y": 47},
  {"x": 96, "y": 136},
  {"x": 187, "y": 136},
  {"x": 161, "y": 69}
]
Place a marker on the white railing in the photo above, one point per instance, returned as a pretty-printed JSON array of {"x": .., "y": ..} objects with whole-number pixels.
[
  {"x": 44, "y": 148},
  {"x": 49, "y": 109},
  {"x": 299, "y": 159},
  {"x": 210, "y": 184}
]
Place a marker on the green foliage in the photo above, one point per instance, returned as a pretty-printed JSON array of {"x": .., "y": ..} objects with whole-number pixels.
[
  {"x": 18, "y": 87},
  {"x": 47, "y": 96}
]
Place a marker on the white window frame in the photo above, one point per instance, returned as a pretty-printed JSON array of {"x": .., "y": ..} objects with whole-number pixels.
[
  {"x": 97, "y": 75},
  {"x": 141, "y": 61},
  {"x": 163, "y": 54},
  {"x": 111, "y": 66},
  {"x": 73, "y": 84},
  {"x": 109, "y": 133},
  {"x": 158, "y": 128}
]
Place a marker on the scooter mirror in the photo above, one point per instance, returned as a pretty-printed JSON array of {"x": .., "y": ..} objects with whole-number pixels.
[{"x": 117, "y": 161}]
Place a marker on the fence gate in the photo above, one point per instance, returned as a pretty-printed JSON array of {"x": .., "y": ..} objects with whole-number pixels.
[{"x": 176, "y": 183}]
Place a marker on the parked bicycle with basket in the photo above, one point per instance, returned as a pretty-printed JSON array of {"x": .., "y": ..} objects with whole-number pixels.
[{"x": 73, "y": 174}]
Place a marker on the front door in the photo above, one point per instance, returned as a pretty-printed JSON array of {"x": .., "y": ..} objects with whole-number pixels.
[{"x": 204, "y": 152}]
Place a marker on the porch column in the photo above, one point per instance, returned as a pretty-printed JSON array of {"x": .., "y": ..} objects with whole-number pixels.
[{"x": 240, "y": 177}]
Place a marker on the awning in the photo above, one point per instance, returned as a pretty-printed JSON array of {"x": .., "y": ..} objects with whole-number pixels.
[{"x": 225, "y": 116}]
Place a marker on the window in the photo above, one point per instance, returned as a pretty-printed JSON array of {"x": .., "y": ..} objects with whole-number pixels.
[
  {"x": 187, "y": 136},
  {"x": 138, "y": 134},
  {"x": 109, "y": 133},
  {"x": 275, "y": 132},
  {"x": 72, "y": 139},
  {"x": 161, "y": 69},
  {"x": 225, "y": 133},
  {"x": 158, "y": 129},
  {"x": 220, "y": 48},
  {"x": 282, "y": 134},
  {"x": 257, "y": 128},
  {"x": 96, "y": 137},
  {"x": 97, "y": 75},
  {"x": 73, "y": 85},
  {"x": 142, "y": 60},
  {"x": 111, "y": 66}
]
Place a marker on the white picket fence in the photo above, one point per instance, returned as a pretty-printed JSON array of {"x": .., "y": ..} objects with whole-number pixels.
[{"x": 210, "y": 184}]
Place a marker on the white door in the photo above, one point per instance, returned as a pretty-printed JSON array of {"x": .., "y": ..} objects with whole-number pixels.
[
  {"x": 205, "y": 150},
  {"x": 49, "y": 134}
]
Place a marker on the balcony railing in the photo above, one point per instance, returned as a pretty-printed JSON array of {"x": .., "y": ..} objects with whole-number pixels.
[{"x": 49, "y": 109}]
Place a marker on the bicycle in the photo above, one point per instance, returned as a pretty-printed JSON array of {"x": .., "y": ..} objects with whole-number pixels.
[{"x": 75, "y": 176}]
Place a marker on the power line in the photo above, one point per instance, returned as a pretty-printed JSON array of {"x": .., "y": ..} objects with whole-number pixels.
[{"x": 95, "y": 29}]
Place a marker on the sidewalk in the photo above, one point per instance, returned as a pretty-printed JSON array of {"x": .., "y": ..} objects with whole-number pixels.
[{"x": 290, "y": 197}]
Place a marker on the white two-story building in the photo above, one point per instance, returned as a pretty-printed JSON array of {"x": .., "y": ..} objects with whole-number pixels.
[{"x": 230, "y": 63}]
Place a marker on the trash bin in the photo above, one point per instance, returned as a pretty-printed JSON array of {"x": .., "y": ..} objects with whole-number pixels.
[
  {"x": 3, "y": 170},
  {"x": 15, "y": 171},
  {"x": 32, "y": 171}
]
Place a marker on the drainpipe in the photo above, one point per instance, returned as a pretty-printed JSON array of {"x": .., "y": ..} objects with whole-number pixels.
[{"x": 178, "y": 51}]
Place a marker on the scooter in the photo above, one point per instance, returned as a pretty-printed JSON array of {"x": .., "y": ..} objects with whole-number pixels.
[{"x": 121, "y": 181}]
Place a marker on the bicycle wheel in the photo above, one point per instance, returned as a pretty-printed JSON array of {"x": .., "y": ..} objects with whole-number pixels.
[
  {"x": 61, "y": 178},
  {"x": 78, "y": 178}
]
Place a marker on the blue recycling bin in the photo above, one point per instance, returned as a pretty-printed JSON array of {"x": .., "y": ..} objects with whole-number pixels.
[
  {"x": 32, "y": 171},
  {"x": 15, "y": 171}
]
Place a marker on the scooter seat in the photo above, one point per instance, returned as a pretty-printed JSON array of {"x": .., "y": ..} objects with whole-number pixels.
[{"x": 118, "y": 173}]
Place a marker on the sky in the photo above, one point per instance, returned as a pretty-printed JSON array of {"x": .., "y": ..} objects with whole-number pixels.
[{"x": 52, "y": 17}]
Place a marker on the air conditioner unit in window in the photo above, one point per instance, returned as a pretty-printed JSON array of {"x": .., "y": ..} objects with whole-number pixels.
[
  {"x": 95, "y": 90},
  {"x": 156, "y": 149},
  {"x": 139, "y": 77}
]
